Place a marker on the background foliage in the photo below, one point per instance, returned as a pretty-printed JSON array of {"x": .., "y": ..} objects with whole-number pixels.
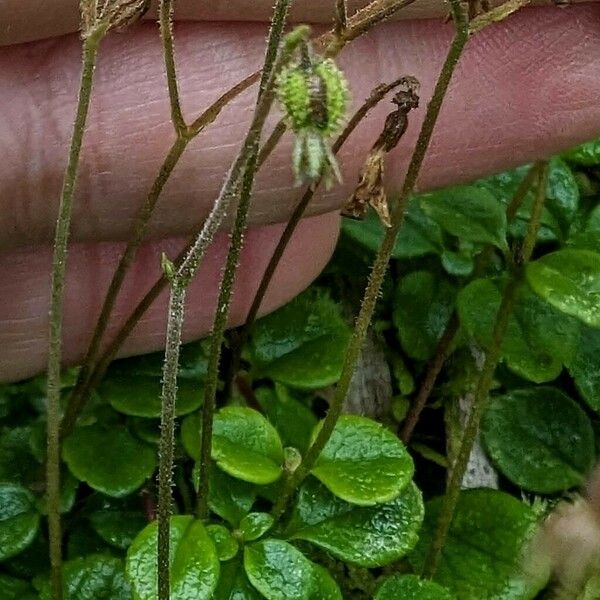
[{"x": 361, "y": 522}]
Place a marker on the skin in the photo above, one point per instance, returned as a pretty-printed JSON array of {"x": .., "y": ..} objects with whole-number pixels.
[{"x": 525, "y": 89}]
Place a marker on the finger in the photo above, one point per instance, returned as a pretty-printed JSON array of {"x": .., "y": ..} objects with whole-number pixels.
[
  {"x": 26, "y": 279},
  {"x": 523, "y": 90},
  {"x": 26, "y": 20}
]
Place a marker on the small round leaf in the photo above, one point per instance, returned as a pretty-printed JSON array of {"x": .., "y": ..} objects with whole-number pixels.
[
  {"x": 483, "y": 552},
  {"x": 255, "y": 525},
  {"x": 225, "y": 544},
  {"x": 371, "y": 536},
  {"x": 540, "y": 439},
  {"x": 194, "y": 564},
  {"x": 110, "y": 461},
  {"x": 570, "y": 281},
  {"x": 95, "y": 577},
  {"x": 19, "y": 519},
  {"x": 363, "y": 462},
  {"x": 281, "y": 572},
  {"x": 411, "y": 587},
  {"x": 244, "y": 444}
]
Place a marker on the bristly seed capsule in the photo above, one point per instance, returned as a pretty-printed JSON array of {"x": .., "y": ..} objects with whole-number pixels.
[{"x": 314, "y": 96}]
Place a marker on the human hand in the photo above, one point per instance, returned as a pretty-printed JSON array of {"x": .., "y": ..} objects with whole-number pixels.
[{"x": 524, "y": 89}]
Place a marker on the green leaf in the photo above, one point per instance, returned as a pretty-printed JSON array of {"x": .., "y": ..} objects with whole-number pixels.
[
  {"x": 482, "y": 556},
  {"x": 194, "y": 564},
  {"x": 19, "y": 519},
  {"x": 95, "y": 577},
  {"x": 133, "y": 385},
  {"x": 585, "y": 367},
  {"x": 570, "y": 281},
  {"x": 118, "y": 523},
  {"x": 225, "y": 544},
  {"x": 540, "y": 439},
  {"x": 418, "y": 236},
  {"x": 281, "y": 572},
  {"x": 255, "y": 525},
  {"x": 230, "y": 498},
  {"x": 233, "y": 583},
  {"x": 504, "y": 186},
  {"x": 244, "y": 444},
  {"x": 15, "y": 589},
  {"x": 422, "y": 308},
  {"x": 411, "y": 587},
  {"x": 371, "y": 536},
  {"x": 587, "y": 155},
  {"x": 303, "y": 343},
  {"x": 468, "y": 212},
  {"x": 363, "y": 462},
  {"x": 17, "y": 461},
  {"x": 562, "y": 193},
  {"x": 293, "y": 419},
  {"x": 539, "y": 339},
  {"x": 110, "y": 461}
]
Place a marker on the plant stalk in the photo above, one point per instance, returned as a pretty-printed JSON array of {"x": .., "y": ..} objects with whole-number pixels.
[
  {"x": 486, "y": 379},
  {"x": 270, "y": 68},
  {"x": 167, "y": 435},
  {"x": 381, "y": 262},
  {"x": 90, "y": 50}
]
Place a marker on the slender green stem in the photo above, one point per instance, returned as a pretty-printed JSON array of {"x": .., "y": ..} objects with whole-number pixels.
[
  {"x": 167, "y": 435},
  {"x": 375, "y": 97},
  {"x": 219, "y": 326},
  {"x": 180, "y": 279},
  {"x": 484, "y": 384},
  {"x": 79, "y": 394},
  {"x": 381, "y": 262},
  {"x": 90, "y": 50},
  {"x": 165, "y": 20},
  {"x": 233, "y": 256}
]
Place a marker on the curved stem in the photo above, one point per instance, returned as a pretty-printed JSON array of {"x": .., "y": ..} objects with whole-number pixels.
[
  {"x": 90, "y": 49},
  {"x": 509, "y": 298},
  {"x": 381, "y": 261}
]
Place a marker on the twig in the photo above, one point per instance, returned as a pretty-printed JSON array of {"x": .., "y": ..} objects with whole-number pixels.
[
  {"x": 381, "y": 261},
  {"x": 180, "y": 278},
  {"x": 341, "y": 17},
  {"x": 509, "y": 298},
  {"x": 495, "y": 15},
  {"x": 271, "y": 66},
  {"x": 90, "y": 50}
]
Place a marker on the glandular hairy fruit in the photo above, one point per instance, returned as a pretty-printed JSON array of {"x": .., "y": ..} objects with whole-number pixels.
[{"x": 314, "y": 96}]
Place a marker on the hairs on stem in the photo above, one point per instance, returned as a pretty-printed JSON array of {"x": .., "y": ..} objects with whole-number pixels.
[{"x": 181, "y": 276}]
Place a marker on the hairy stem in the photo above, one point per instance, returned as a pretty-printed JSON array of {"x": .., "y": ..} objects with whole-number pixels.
[
  {"x": 271, "y": 65},
  {"x": 167, "y": 435},
  {"x": 381, "y": 261},
  {"x": 180, "y": 279},
  {"x": 484, "y": 384},
  {"x": 165, "y": 21},
  {"x": 93, "y": 372},
  {"x": 90, "y": 50}
]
